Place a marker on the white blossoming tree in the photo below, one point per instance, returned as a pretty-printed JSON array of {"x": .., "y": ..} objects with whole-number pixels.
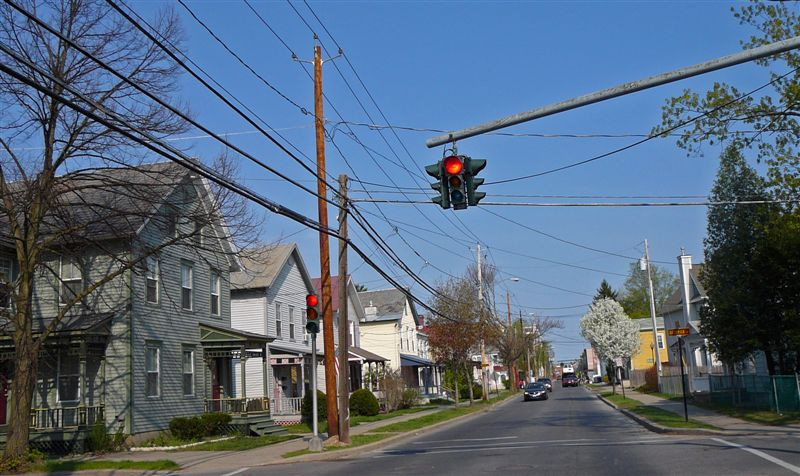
[{"x": 612, "y": 334}]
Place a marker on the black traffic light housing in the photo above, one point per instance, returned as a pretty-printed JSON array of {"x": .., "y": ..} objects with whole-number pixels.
[
  {"x": 312, "y": 314},
  {"x": 473, "y": 167},
  {"x": 457, "y": 181},
  {"x": 436, "y": 171}
]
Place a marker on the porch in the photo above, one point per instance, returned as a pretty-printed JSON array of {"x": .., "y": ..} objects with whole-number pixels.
[{"x": 421, "y": 374}]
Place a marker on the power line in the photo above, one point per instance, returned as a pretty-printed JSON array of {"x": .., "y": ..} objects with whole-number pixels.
[
  {"x": 591, "y": 204},
  {"x": 649, "y": 137}
]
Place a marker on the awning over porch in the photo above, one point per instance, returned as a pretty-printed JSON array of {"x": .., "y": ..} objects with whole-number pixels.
[
  {"x": 408, "y": 360},
  {"x": 219, "y": 337},
  {"x": 358, "y": 354}
]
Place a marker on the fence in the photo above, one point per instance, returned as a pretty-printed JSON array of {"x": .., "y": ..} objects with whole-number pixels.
[
  {"x": 671, "y": 384},
  {"x": 779, "y": 393}
]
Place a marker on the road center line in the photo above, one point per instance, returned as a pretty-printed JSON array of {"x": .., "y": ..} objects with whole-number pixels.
[
  {"x": 466, "y": 439},
  {"x": 761, "y": 454}
]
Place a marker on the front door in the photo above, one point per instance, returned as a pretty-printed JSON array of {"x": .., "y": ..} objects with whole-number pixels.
[
  {"x": 216, "y": 384},
  {"x": 3, "y": 398}
]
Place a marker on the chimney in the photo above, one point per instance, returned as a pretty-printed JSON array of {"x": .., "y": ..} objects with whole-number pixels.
[
  {"x": 684, "y": 265},
  {"x": 370, "y": 311},
  {"x": 421, "y": 319}
]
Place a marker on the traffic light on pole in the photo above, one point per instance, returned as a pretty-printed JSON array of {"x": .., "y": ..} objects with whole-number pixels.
[
  {"x": 437, "y": 171},
  {"x": 312, "y": 314},
  {"x": 473, "y": 167},
  {"x": 456, "y": 180}
]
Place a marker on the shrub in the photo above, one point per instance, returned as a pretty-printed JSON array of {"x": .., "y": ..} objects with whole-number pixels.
[
  {"x": 440, "y": 401},
  {"x": 187, "y": 428},
  {"x": 507, "y": 383},
  {"x": 392, "y": 385},
  {"x": 100, "y": 441},
  {"x": 363, "y": 402},
  {"x": 19, "y": 464},
  {"x": 306, "y": 408},
  {"x": 477, "y": 391},
  {"x": 214, "y": 423},
  {"x": 410, "y": 398}
]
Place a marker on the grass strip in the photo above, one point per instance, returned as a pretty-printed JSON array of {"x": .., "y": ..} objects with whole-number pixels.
[
  {"x": 242, "y": 443},
  {"x": 763, "y": 417},
  {"x": 54, "y": 466},
  {"x": 355, "y": 420},
  {"x": 654, "y": 414},
  {"x": 355, "y": 441}
]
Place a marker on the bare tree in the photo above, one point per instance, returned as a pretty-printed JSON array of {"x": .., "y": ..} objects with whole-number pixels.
[
  {"x": 514, "y": 340},
  {"x": 70, "y": 184}
]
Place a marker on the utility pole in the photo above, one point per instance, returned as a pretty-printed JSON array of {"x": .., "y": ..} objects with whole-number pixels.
[
  {"x": 653, "y": 313},
  {"x": 344, "y": 324},
  {"x": 315, "y": 443},
  {"x": 484, "y": 368},
  {"x": 324, "y": 252},
  {"x": 513, "y": 377}
]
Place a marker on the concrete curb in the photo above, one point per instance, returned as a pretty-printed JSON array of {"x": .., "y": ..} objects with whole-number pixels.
[
  {"x": 399, "y": 438},
  {"x": 656, "y": 428}
]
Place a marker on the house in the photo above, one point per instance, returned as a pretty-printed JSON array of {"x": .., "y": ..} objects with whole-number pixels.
[
  {"x": 154, "y": 342},
  {"x": 682, "y": 310},
  {"x": 390, "y": 328},
  {"x": 644, "y": 358},
  {"x": 358, "y": 356},
  {"x": 268, "y": 296},
  {"x": 593, "y": 366}
]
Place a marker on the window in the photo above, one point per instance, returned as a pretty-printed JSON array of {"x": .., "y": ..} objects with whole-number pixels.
[
  {"x": 291, "y": 322},
  {"x": 215, "y": 293},
  {"x": 5, "y": 282},
  {"x": 660, "y": 341},
  {"x": 278, "y": 319},
  {"x": 172, "y": 223},
  {"x": 188, "y": 372},
  {"x": 71, "y": 279},
  {"x": 69, "y": 375},
  {"x": 351, "y": 334},
  {"x": 151, "y": 280},
  {"x": 186, "y": 286},
  {"x": 152, "y": 364}
]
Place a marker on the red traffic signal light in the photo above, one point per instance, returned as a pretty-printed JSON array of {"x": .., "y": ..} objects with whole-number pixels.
[
  {"x": 312, "y": 300},
  {"x": 453, "y": 165},
  {"x": 311, "y": 311}
]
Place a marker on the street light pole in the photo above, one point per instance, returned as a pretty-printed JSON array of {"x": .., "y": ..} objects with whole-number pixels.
[{"x": 653, "y": 313}]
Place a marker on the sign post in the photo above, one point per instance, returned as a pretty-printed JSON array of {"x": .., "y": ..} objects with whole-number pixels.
[
  {"x": 680, "y": 332},
  {"x": 315, "y": 443}
]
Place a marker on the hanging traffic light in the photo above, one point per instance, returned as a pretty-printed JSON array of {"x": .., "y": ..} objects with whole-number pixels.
[
  {"x": 454, "y": 170},
  {"x": 473, "y": 167},
  {"x": 437, "y": 171},
  {"x": 312, "y": 314}
]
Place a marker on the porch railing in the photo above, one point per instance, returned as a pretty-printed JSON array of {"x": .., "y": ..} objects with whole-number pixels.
[
  {"x": 286, "y": 405},
  {"x": 237, "y": 405},
  {"x": 65, "y": 417}
]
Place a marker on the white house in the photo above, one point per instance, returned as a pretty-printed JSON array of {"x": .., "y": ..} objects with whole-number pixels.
[
  {"x": 269, "y": 297},
  {"x": 391, "y": 328}
]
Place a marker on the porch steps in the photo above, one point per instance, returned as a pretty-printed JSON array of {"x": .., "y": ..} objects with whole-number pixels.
[{"x": 259, "y": 425}]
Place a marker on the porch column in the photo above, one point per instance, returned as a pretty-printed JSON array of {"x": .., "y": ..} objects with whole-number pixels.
[
  {"x": 103, "y": 375},
  {"x": 303, "y": 375},
  {"x": 264, "y": 367},
  {"x": 82, "y": 367},
  {"x": 243, "y": 364}
]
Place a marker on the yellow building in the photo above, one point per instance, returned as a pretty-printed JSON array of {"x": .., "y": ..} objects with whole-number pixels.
[{"x": 643, "y": 358}]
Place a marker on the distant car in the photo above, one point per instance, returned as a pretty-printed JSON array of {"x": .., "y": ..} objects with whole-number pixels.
[
  {"x": 546, "y": 382},
  {"x": 569, "y": 380},
  {"x": 535, "y": 391}
]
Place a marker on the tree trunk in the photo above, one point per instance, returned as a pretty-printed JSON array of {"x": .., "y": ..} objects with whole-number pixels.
[
  {"x": 469, "y": 384},
  {"x": 770, "y": 361},
  {"x": 22, "y": 387},
  {"x": 455, "y": 379}
]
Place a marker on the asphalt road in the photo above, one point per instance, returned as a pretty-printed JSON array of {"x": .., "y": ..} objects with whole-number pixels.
[{"x": 571, "y": 433}]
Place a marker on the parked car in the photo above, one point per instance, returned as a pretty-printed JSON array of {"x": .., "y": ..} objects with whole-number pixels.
[
  {"x": 535, "y": 391},
  {"x": 569, "y": 380},
  {"x": 547, "y": 383}
]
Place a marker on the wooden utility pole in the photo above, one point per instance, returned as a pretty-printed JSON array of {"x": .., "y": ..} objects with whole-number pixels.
[
  {"x": 484, "y": 365},
  {"x": 324, "y": 252},
  {"x": 344, "y": 325},
  {"x": 513, "y": 377}
]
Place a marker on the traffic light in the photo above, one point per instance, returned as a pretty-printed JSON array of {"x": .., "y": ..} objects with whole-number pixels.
[
  {"x": 312, "y": 314},
  {"x": 456, "y": 180},
  {"x": 436, "y": 171},
  {"x": 473, "y": 167}
]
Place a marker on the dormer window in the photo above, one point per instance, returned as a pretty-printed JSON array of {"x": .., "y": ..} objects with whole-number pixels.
[{"x": 71, "y": 279}]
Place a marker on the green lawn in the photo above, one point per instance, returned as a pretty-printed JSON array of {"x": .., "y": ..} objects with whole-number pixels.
[
  {"x": 656, "y": 415},
  {"x": 764, "y": 417},
  {"x": 57, "y": 465},
  {"x": 241, "y": 443},
  {"x": 302, "y": 428},
  {"x": 355, "y": 440}
]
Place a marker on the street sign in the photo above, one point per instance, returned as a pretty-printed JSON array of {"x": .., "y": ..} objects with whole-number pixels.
[{"x": 681, "y": 331}]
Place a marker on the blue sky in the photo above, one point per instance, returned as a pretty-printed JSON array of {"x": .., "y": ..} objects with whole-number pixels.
[{"x": 448, "y": 65}]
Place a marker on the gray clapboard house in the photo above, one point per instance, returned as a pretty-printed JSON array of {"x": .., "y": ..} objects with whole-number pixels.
[{"x": 156, "y": 341}]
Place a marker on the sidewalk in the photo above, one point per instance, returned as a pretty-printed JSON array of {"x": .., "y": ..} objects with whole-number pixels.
[
  {"x": 710, "y": 417},
  {"x": 216, "y": 461}
]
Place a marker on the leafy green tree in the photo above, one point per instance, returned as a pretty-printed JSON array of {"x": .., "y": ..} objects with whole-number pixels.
[
  {"x": 605, "y": 291},
  {"x": 734, "y": 321},
  {"x": 635, "y": 297},
  {"x": 766, "y": 120},
  {"x": 361, "y": 288}
]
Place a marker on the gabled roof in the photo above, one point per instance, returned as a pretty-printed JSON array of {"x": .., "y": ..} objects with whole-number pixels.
[
  {"x": 262, "y": 266},
  {"x": 646, "y": 324},
  {"x": 351, "y": 293},
  {"x": 391, "y": 304},
  {"x": 675, "y": 301}
]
